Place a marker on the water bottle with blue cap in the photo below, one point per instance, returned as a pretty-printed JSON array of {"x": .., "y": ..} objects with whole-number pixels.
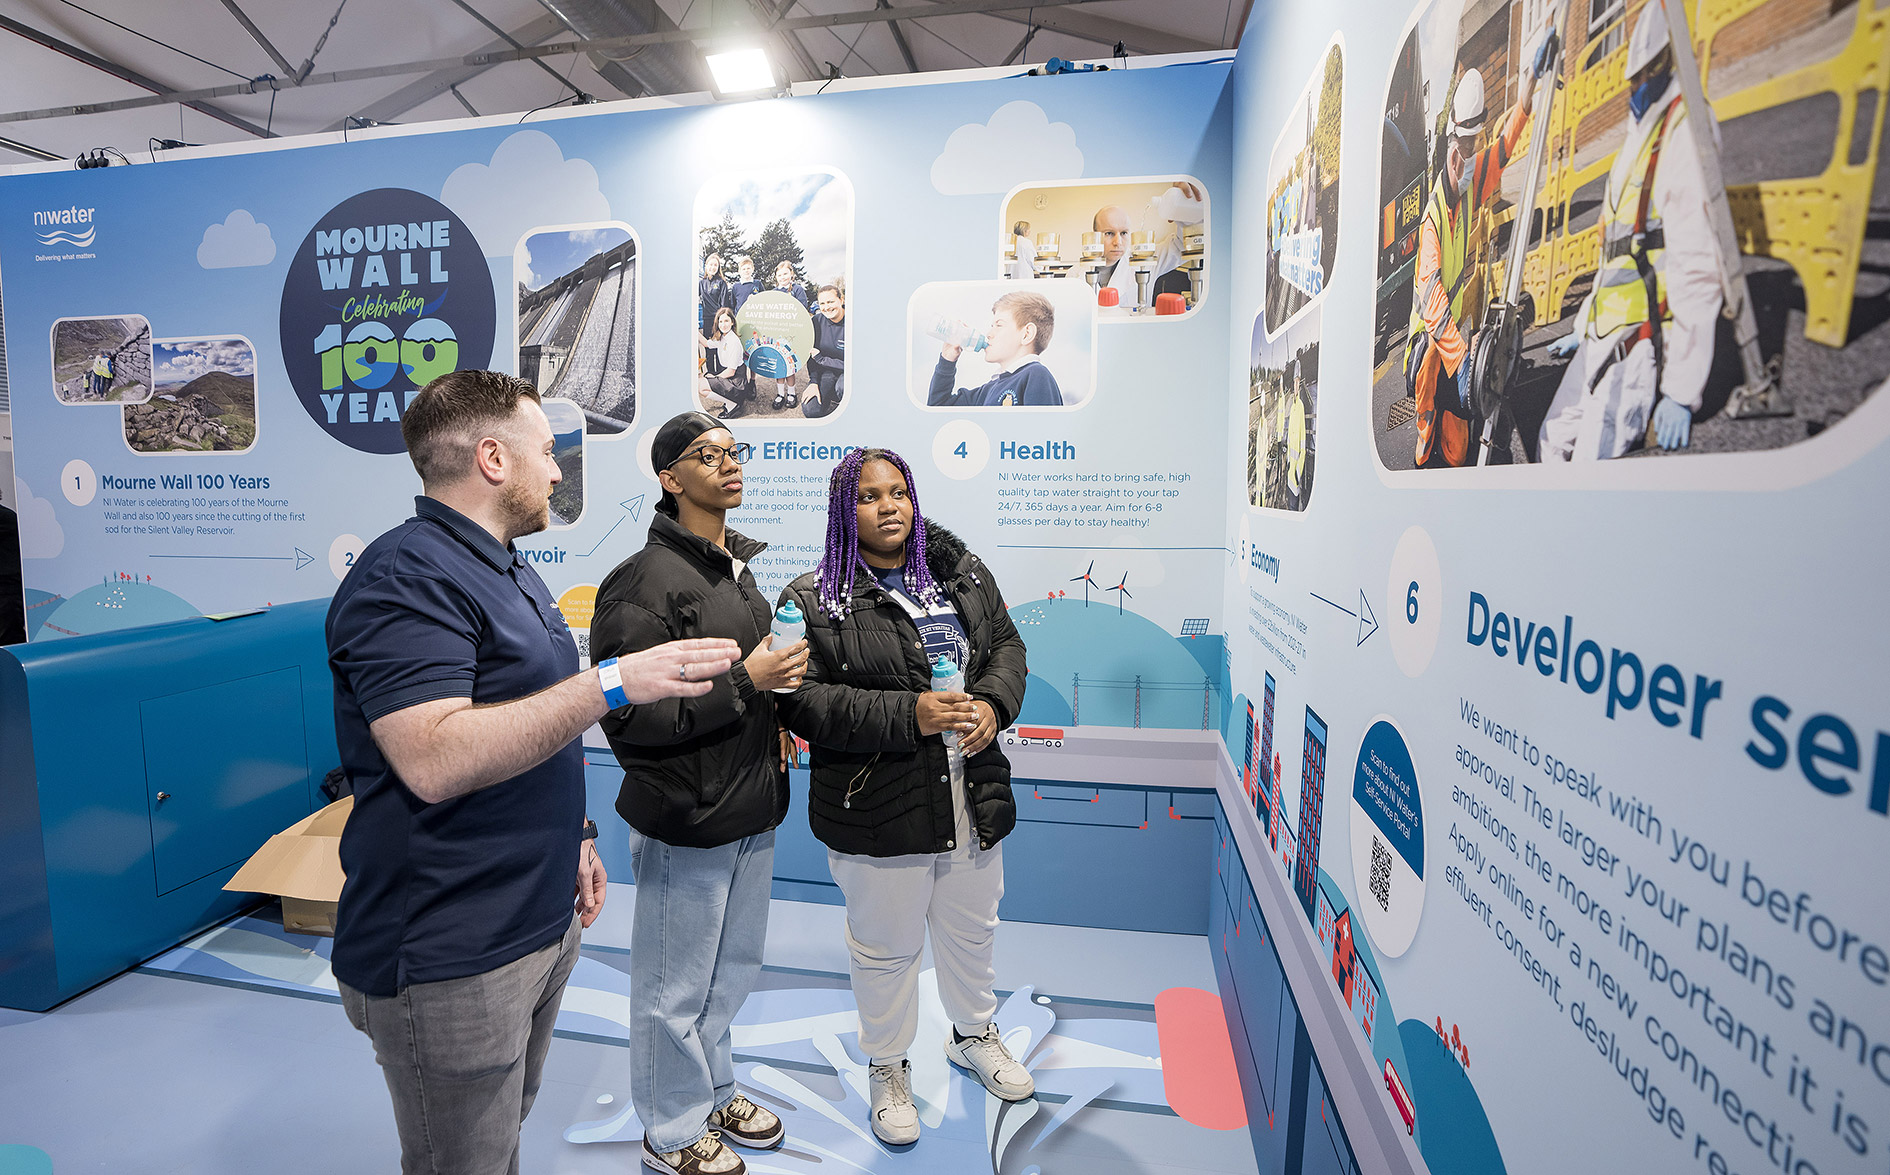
[
  {"x": 789, "y": 626},
  {"x": 948, "y": 678}
]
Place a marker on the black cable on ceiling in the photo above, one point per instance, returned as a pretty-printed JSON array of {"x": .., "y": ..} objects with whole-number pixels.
[{"x": 162, "y": 44}]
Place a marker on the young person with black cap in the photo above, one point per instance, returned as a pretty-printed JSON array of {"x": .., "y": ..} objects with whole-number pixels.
[{"x": 704, "y": 786}]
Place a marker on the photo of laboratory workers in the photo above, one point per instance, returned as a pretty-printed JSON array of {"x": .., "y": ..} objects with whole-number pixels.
[
  {"x": 1646, "y": 310},
  {"x": 1283, "y": 413},
  {"x": 773, "y": 254},
  {"x": 102, "y": 360},
  {"x": 1303, "y": 195},
  {"x": 578, "y": 299},
  {"x": 1141, "y": 245},
  {"x": 994, "y": 344}
]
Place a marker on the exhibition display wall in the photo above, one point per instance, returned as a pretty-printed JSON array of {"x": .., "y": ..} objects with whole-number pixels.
[
  {"x": 1563, "y": 753},
  {"x": 1526, "y": 640}
]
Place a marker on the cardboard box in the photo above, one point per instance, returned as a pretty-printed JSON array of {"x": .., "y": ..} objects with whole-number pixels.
[{"x": 302, "y": 866}]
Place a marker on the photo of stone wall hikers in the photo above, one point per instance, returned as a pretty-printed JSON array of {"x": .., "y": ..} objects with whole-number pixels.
[
  {"x": 1303, "y": 195},
  {"x": 773, "y": 252},
  {"x": 205, "y": 399},
  {"x": 578, "y": 303},
  {"x": 1140, "y": 245},
  {"x": 1593, "y": 245},
  {"x": 1001, "y": 344},
  {"x": 1283, "y": 413},
  {"x": 102, "y": 360}
]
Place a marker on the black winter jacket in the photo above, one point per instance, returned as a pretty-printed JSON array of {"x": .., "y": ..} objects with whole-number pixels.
[
  {"x": 878, "y": 788},
  {"x": 697, "y": 772}
]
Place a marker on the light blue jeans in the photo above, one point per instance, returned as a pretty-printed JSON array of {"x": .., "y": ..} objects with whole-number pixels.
[{"x": 695, "y": 953}]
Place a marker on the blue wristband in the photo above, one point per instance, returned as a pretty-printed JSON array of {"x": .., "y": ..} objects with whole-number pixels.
[{"x": 611, "y": 679}]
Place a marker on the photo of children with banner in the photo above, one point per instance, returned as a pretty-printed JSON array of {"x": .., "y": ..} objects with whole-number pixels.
[
  {"x": 1283, "y": 413},
  {"x": 579, "y": 293},
  {"x": 774, "y": 252},
  {"x": 1303, "y": 195},
  {"x": 1139, "y": 244},
  {"x": 999, "y": 344},
  {"x": 1604, "y": 233}
]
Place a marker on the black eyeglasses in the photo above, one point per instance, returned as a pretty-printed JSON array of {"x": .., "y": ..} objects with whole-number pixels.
[{"x": 711, "y": 455}]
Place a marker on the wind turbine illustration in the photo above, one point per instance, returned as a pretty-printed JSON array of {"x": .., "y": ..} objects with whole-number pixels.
[
  {"x": 1123, "y": 587},
  {"x": 1087, "y": 581}
]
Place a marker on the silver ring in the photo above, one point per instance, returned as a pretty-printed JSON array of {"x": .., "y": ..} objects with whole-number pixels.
[{"x": 682, "y": 671}]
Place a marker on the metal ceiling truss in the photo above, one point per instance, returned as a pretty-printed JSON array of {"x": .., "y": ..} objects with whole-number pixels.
[
  {"x": 162, "y": 95},
  {"x": 448, "y": 72}
]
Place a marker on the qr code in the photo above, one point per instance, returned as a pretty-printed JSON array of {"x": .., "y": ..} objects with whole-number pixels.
[{"x": 1381, "y": 874}]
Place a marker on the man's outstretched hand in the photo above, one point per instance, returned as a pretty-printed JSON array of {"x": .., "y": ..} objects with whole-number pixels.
[{"x": 679, "y": 669}]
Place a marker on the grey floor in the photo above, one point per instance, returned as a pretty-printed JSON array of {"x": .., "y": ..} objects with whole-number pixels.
[{"x": 162, "y": 1070}]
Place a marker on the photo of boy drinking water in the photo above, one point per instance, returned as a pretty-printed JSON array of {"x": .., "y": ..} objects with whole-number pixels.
[{"x": 1022, "y": 325}]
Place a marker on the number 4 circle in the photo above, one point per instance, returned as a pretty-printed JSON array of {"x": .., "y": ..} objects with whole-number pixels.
[{"x": 960, "y": 450}]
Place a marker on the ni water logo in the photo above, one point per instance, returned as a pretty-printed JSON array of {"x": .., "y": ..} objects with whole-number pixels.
[
  {"x": 387, "y": 291},
  {"x": 65, "y": 227}
]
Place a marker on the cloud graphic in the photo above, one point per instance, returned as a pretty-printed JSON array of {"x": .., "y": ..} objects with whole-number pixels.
[
  {"x": 41, "y": 536},
  {"x": 238, "y": 242},
  {"x": 528, "y": 183},
  {"x": 1020, "y": 144}
]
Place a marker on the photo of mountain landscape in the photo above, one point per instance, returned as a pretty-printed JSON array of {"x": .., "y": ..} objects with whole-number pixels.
[
  {"x": 567, "y": 449},
  {"x": 204, "y": 399}
]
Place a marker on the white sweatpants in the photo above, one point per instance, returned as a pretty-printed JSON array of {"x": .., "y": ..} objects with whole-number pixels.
[{"x": 890, "y": 903}]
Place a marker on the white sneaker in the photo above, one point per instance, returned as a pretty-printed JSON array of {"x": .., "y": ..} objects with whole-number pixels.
[
  {"x": 986, "y": 1058},
  {"x": 895, "y": 1119}
]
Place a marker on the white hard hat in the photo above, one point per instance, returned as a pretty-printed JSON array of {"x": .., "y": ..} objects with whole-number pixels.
[
  {"x": 1648, "y": 39},
  {"x": 1466, "y": 109}
]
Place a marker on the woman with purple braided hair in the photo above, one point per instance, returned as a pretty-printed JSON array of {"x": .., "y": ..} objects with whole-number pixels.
[{"x": 912, "y": 822}]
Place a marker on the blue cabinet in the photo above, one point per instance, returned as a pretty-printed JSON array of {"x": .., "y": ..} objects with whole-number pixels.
[{"x": 138, "y": 769}]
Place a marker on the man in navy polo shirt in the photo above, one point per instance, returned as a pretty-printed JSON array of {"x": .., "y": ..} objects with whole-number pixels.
[{"x": 458, "y": 706}]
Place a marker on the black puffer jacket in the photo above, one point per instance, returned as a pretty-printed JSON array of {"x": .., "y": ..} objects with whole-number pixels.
[
  {"x": 697, "y": 772},
  {"x": 857, "y": 711}
]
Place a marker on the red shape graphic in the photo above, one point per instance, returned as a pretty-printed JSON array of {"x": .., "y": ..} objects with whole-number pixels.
[{"x": 1198, "y": 1074}]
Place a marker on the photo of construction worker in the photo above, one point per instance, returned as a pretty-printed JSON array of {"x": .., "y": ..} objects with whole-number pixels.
[
  {"x": 1303, "y": 195},
  {"x": 102, "y": 360},
  {"x": 1283, "y": 413},
  {"x": 1140, "y": 245},
  {"x": 1600, "y": 239}
]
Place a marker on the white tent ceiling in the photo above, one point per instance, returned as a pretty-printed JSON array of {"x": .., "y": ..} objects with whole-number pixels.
[{"x": 150, "y": 61}]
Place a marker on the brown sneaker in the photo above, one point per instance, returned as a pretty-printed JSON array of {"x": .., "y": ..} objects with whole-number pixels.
[
  {"x": 705, "y": 1156},
  {"x": 744, "y": 1123}
]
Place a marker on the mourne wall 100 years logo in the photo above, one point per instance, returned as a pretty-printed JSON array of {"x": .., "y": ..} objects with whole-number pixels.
[{"x": 387, "y": 291}]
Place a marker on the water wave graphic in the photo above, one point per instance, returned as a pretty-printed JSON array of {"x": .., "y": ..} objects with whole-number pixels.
[{"x": 60, "y": 237}]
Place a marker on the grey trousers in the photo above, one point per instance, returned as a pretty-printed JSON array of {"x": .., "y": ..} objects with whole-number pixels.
[{"x": 463, "y": 1058}]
